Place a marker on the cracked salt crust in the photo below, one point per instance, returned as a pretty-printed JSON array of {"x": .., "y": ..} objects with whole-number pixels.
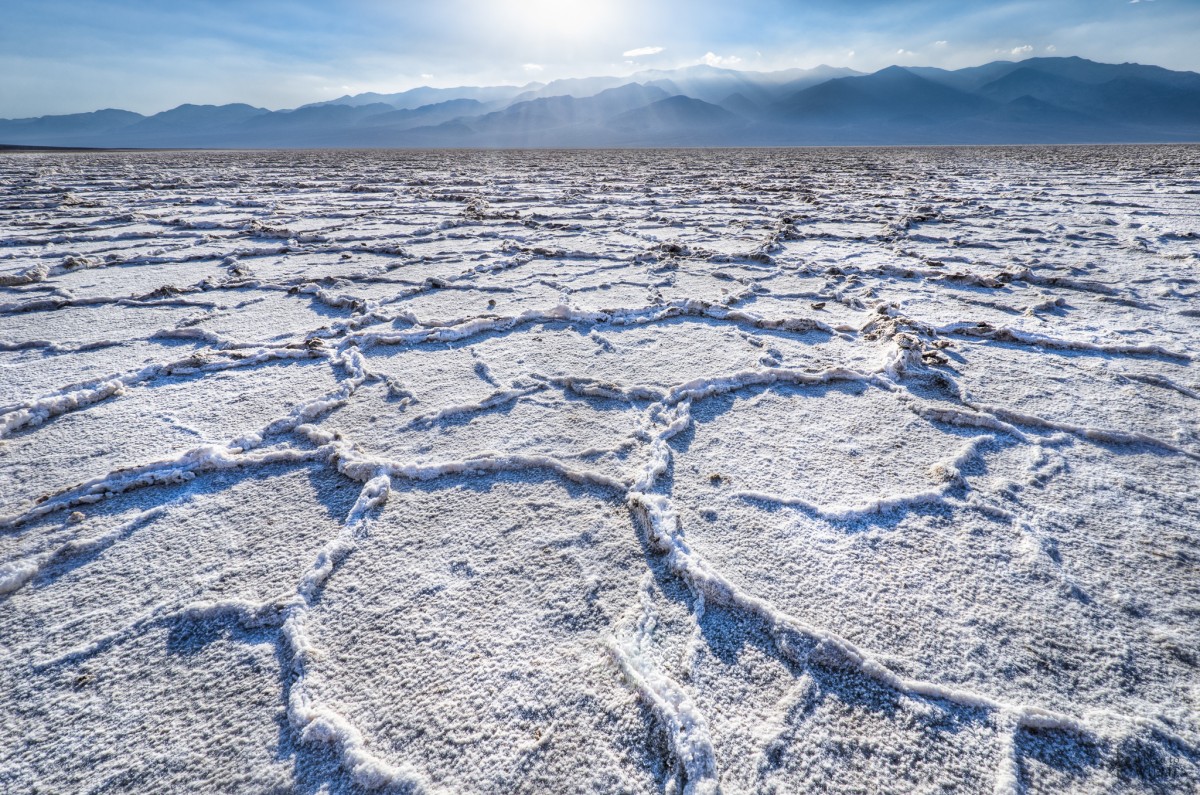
[{"x": 750, "y": 471}]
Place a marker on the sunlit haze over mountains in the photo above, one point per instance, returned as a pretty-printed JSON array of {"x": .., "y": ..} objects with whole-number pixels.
[{"x": 69, "y": 56}]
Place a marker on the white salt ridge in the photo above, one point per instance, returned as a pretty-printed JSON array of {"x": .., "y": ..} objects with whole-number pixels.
[
  {"x": 38, "y": 411},
  {"x": 685, "y": 725},
  {"x": 1004, "y": 334},
  {"x": 316, "y": 721}
]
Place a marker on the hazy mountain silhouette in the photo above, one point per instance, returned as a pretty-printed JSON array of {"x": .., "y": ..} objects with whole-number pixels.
[
  {"x": 546, "y": 121},
  {"x": 1038, "y": 100},
  {"x": 47, "y": 129},
  {"x": 1128, "y": 97},
  {"x": 713, "y": 84},
  {"x": 424, "y": 95},
  {"x": 677, "y": 121},
  {"x": 892, "y": 94},
  {"x": 179, "y": 126}
]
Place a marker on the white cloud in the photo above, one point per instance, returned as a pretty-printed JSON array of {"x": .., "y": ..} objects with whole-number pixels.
[
  {"x": 850, "y": 54},
  {"x": 1051, "y": 48},
  {"x": 904, "y": 52},
  {"x": 1024, "y": 49},
  {"x": 712, "y": 59},
  {"x": 426, "y": 76},
  {"x": 533, "y": 67},
  {"x": 940, "y": 43},
  {"x": 642, "y": 51}
]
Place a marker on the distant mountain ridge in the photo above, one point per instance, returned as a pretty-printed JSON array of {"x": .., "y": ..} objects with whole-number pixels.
[{"x": 1038, "y": 100}]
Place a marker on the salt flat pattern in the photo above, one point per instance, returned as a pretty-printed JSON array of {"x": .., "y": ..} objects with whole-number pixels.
[{"x": 630, "y": 471}]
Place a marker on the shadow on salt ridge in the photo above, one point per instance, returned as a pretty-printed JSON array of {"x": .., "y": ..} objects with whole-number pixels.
[
  {"x": 202, "y": 694},
  {"x": 614, "y": 293},
  {"x": 243, "y": 534},
  {"x": 468, "y": 637},
  {"x": 943, "y": 303},
  {"x": 1084, "y": 389},
  {"x": 657, "y": 355},
  {"x": 789, "y": 304},
  {"x": 712, "y": 282},
  {"x": 449, "y": 251},
  {"x": 154, "y": 421},
  {"x": 1006, "y": 596},
  {"x": 843, "y": 445},
  {"x": 43, "y": 372},
  {"x": 1145, "y": 761},
  {"x": 598, "y": 431},
  {"x": 774, "y": 722},
  {"x": 139, "y": 279},
  {"x": 465, "y": 300},
  {"x": 437, "y": 377},
  {"x": 834, "y": 448},
  {"x": 1053, "y": 311},
  {"x": 778, "y": 725},
  {"x": 92, "y": 325},
  {"x": 273, "y": 267},
  {"x": 253, "y": 316},
  {"x": 140, "y": 716},
  {"x": 408, "y": 272}
]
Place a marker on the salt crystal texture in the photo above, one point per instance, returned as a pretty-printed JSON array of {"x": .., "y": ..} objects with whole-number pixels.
[{"x": 687, "y": 472}]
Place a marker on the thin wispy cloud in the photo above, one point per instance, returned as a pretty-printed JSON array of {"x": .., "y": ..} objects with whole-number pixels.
[{"x": 642, "y": 52}]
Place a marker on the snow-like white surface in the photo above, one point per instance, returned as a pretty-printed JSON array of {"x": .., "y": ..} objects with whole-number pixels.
[{"x": 741, "y": 471}]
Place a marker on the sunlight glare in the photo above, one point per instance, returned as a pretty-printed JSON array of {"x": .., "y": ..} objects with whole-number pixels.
[{"x": 565, "y": 19}]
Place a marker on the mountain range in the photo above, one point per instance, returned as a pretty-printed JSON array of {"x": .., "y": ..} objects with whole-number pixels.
[{"x": 1038, "y": 100}]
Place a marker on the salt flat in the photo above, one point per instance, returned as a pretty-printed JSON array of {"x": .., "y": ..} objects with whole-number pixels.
[{"x": 628, "y": 471}]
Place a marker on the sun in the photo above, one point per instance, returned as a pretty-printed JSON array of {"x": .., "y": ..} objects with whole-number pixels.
[{"x": 557, "y": 19}]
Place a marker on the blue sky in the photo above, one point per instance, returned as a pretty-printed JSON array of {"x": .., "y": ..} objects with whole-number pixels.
[{"x": 64, "y": 56}]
